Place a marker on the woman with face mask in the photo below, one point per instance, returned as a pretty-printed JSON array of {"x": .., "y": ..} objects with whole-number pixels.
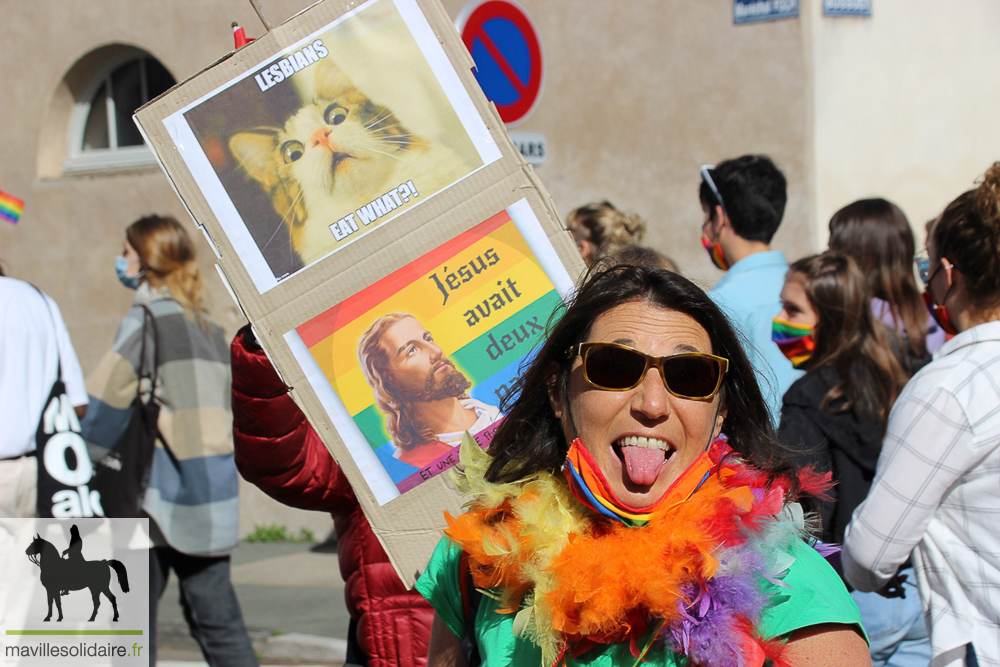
[
  {"x": 938, "y": 484},
  {"x": 192, "y": 501},
  {"x": 834, "y": 417}
]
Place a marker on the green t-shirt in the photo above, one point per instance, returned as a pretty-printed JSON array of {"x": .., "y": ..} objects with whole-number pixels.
[{"x": 813, "y": 594}]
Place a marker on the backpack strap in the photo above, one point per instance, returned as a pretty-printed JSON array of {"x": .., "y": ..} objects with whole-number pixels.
[
  {"x": 144, "y": 371},
  {"x": 55, "y": 330},
  {"x": 152, "y": 374},
  {"x": 471, "y": 597}
]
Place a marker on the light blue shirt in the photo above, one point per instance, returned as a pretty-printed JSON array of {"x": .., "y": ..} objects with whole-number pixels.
[{"x": 749, "y": 294}]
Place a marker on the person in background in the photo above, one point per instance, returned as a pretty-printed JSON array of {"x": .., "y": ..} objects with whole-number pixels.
[
  {"x": 630, "y": 253},
  {"x": 834, "y": 419},
  {"x": 877, "y": 235},
  {"x": 595, "y": 226},
  {"x": 744, "y": 200},
  {"x": 610, "y": 524},
  {"x": 34, "y": 345},
  {"x": 280, "y": 452},
  {"x": 192, "y": 500},
  {"x": 937, "y": 485}
]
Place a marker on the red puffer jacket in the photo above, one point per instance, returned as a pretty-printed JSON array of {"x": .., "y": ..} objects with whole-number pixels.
[{"x": 277, "y": 450}]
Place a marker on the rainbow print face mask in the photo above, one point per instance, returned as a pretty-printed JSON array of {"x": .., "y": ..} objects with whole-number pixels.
[
  {"x": 795, "y": 341},
  {"x": 714, "y": 251}
]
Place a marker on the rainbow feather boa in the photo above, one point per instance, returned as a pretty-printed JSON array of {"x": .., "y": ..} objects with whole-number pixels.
[{"x": 690, "y": 579}]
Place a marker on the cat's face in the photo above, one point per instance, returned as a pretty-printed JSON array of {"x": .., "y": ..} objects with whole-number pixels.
[
  {"x": 335, "y": 154},
  {"x": 340, "y": 149},
  {"x": 331, "y": 149}
]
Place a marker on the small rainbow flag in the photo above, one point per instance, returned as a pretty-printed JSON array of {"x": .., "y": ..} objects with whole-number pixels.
[{"x": 10, "y": 207}]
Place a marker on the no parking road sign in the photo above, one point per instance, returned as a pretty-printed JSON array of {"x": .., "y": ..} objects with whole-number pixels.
[{"x": 504, "y": 45}]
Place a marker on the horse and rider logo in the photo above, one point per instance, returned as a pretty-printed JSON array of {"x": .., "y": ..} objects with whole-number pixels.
[{"x": 62, "y": 574}]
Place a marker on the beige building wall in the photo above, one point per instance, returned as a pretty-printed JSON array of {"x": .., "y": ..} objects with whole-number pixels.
[
  {"x": 638, "y": 94},
  {"x": 905, "y": 104},
  {"x": 73, "y": 225}
]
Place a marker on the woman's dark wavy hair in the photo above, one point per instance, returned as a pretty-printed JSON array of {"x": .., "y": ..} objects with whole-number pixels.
[
  {"x": 877, "y": 235},
  {"x": 530, "y": 438},
  {"x": 848, "y": 338}
]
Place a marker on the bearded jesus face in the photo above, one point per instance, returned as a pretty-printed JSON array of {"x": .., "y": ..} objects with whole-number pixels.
[{"x": 418, "y": 369}]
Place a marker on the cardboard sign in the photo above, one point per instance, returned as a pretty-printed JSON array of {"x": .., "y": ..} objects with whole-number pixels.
[
  {"x": 383, "y": 235},
  {"x": 458, "y": 321}
]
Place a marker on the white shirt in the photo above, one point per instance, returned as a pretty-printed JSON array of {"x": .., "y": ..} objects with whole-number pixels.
[
  {"x": 485, "y": 415},
  {"x": 937, "y": 492},
  {"x": 33, "y": 339}
]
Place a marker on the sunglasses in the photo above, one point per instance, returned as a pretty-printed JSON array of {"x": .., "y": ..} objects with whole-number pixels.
[
  {"x": 711, "y": 186},
  {"x": 614, "y": 367},
  {"x": 923, "y": 261}
]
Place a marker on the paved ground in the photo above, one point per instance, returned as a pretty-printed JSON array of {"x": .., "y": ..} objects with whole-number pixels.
[{"x": 293, "y": 605}]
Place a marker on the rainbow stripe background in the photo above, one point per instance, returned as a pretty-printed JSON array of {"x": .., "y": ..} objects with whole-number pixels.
[
  {"x": 10, "y": 207},
  {"x": 332, "y": 337}
]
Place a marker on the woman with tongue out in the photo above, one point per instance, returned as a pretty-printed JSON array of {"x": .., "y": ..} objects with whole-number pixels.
[{"x": 612, "y": 523}]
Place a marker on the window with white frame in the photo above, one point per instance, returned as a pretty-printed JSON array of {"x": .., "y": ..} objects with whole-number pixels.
[{"x": 102, "y": 134}]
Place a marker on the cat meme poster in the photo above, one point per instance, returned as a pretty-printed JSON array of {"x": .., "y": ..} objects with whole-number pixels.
[
  {"x": 332, "y": 137},
  {"x": 398, "y": 259},
  {"x": 418, "y": 358}
]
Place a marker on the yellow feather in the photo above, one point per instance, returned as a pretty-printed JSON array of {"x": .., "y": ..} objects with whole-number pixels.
[{"x": 522, "y": 620}]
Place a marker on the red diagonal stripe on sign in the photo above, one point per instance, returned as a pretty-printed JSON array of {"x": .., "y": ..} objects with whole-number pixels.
[{"x": 501, "y": 61}]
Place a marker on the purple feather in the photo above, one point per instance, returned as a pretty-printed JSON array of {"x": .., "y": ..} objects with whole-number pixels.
[
  {"x": 708, "y": 630},
  {"x": 825, "y": 549}
]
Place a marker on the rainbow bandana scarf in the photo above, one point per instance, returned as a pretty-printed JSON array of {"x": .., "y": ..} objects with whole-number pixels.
[
  {"x": 590, "y": 486},
  {"x": 795, "y": 341}
]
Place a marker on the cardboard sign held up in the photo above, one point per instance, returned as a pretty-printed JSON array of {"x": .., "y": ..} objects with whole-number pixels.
[{"x": 385, "y": 238}]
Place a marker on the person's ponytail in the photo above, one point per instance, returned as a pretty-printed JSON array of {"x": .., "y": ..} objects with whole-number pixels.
[{"x": 968, "y": 235}]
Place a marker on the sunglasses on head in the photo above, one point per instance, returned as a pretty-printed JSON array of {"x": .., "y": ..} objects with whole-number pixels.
[
  {"x": 615, "y": 367},
  {"x": 711, "y": 186}
]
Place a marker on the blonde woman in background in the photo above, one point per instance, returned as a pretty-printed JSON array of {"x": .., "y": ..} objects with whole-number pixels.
[
  {"x": 191, "y": 501},
  {"x": 595, "y": 226},
  {"x": 630, "y": 253}
]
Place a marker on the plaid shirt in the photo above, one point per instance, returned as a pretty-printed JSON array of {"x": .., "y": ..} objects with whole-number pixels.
[
  {"x": 937, "y": 493},
  {"x": 193, "y": 496}
]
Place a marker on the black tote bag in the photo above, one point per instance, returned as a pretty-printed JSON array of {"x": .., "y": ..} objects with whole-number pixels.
[{"x": 64, "y": 469}]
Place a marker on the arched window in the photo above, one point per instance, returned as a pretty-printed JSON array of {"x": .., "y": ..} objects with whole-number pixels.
[{"x": 102, "y": 134}]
